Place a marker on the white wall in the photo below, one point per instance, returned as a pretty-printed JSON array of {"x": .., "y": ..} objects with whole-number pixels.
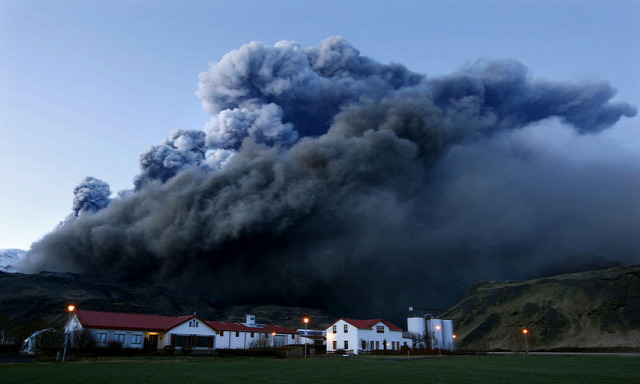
[
  {"x": 236, "y": 340},
  {"x": 354, "y": 336},
  {"x": 187, "y": 328},
  {"x": 128, "y": 339},
  {"x": 391, "y": 339},
  {"x": 351, "y": 336},
  {"x": 244, "y": 340}
]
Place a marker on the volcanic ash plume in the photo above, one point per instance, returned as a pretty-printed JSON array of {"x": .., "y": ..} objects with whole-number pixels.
[{"x": 325, "y": 178}]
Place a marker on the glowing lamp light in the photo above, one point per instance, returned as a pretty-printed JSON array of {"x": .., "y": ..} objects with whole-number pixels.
[
  {"x": 454, "y": 336},
  {"x": 525, "y": 331},
  {"x": 71, "y": 307},
  {"x": 437, "y": 327},
  {"x": 306, "y": 321}
]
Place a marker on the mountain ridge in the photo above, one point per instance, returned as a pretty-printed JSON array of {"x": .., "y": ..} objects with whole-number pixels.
[{"x": 594, "y": 309}]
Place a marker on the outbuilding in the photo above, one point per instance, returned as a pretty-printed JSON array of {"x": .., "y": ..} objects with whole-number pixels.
[{"x": 252, "y": 335}]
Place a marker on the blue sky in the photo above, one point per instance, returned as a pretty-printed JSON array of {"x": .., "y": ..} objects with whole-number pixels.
[{"x": 87, "y": 86}]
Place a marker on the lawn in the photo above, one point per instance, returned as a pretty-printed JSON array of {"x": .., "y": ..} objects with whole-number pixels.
[{"x": 369, "y": 369}]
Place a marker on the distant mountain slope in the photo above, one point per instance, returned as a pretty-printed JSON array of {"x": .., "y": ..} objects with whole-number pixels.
[
  {"x": 596, "y": 309},
  {"x": 8, "y": 257},
  {"x": 31, "y": 302}
]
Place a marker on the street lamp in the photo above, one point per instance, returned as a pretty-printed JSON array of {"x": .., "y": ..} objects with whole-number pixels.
[
  {"x": 438, "y": 328},
  {"x": 70, "y": 309},
  {"x": 306, "y": 321},
  {"x": 454, "y": 342},
  {"x": 525, "y": 331}
]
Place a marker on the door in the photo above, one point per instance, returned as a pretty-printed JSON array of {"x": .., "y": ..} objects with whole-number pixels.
[{"x": 153, "y": 342}]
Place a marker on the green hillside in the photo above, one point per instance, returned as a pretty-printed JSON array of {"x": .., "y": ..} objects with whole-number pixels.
[{"x": 590, "y": 310}]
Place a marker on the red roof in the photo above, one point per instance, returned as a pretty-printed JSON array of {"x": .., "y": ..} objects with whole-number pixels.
[
  {"x": 155, "y": 323},
  {"x": 226, "y": 326},
  {"x": 134, "y": 321},
  {"x": 279, "y": 329},
  {"x": 238, "y": 327},
  {"x": 368, "y": 324}
]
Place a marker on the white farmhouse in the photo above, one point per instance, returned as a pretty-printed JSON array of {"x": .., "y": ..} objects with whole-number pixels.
[
  {"x": 139, "y": 330},
  {"x": 357, "y": 336},
  {"x": 156, "y": 332}
]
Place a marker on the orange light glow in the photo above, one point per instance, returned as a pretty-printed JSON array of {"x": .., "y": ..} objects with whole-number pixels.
[
  {"x": 437, "y": 327},
  {"x": 71, "y": 308},
  {"x": 525, "y": 331},
  {"x": 306, "y": 320},
  {"x": 454, "y": 336}
]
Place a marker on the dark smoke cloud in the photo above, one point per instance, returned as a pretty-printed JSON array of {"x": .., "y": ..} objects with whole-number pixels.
[{"x": 329, "y": 179}]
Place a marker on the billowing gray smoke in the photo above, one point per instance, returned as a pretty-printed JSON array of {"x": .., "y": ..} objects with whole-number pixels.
[
  {"x": 328, "y": 179},
  {"x": 91, "y": 195},
  {"x": 184, "y": 149}
]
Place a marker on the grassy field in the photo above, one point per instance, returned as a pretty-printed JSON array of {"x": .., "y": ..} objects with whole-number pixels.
[{"x": 366, "y": 369}]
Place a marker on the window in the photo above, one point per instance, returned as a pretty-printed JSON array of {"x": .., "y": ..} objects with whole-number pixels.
[
  {"x": 346, "y": 328},
  {"x": 346, "y": 344},
  {"x": 380, "y": 329},
  {"x": 182, "y": 341},
  {"x": 137, "y": 339},
  {"x": 102, "y": 337},
  {"x": 377, "y": 344},
  {"x": 372, "y": 345},
  {"x": 335, "y": 329},
  {"x": 293, "y": 337},
  {"x": 364, "y": 344},
  {"x": 251, "y": 334},
  {"x": 335, "y": 345},
  {"x": 119, "y": 338},
  {"x": 221, "y": 333},
  {"x": 193, "y": 324},
  {"x": 202, "y": 341},
  {"x": 237, "y": 333},
  {"x": 405, "y": 344}
]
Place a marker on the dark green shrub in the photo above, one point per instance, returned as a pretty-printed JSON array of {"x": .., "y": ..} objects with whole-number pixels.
[{"x": 169, "y": 350}]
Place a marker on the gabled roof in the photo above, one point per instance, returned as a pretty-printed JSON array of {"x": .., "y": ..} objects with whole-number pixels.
[
  {"x": 368, "y": 324},
  {"x": 279, "y": 329},
  {"x": 156, "y": 323},
  {"x": 227, "y": 326},
  {"x": 239, "y": 327},
  {"x": 133, "y": 321}
]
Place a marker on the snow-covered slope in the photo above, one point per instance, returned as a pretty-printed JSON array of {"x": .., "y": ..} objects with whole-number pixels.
[{"x": 8, "y": 257}]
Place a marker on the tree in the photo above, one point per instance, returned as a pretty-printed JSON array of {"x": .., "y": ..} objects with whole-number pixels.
[
  {"x": 83, "y": 338},
  {"x": 261, "y": 342}
]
